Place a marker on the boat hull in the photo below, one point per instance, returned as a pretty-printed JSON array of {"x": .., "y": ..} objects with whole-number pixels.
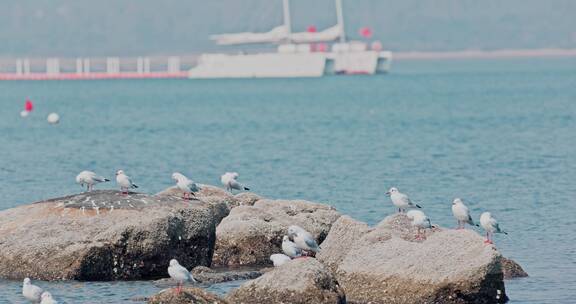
[{"x": 263, "y": 65}]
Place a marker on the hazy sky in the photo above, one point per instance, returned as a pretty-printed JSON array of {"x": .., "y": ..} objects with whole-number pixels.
[{"x": 127, "y": 27}]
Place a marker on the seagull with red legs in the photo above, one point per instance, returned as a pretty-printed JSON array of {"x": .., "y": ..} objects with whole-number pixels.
[
  {"x": 186, "y": 185},
  {"x": 179, "y": 274},
  {"x": 419, "y": 220},
  {"x": 491, "y": 226},
  {"x": 462, "y": 214},
  {"x": 124, "y": 182}
]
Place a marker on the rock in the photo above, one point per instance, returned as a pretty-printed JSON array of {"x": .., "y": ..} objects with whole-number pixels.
[
  {"x": 206, "y": 275},
  {"x": 298, "y": 281},
  {"x": 247, "y": 198},
  {"x": 250, "y": 234},
  {"x": 344, "y": 231},
  {"x": 104, "y": 235},
  {"x": 387, "y": 265},
  {"x": 189, "y": 295},
  {"x": 219, "y": 201},
  {"x": 512, "y": 270}
]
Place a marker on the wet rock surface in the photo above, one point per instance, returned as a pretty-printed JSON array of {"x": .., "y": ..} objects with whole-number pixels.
[
  {"x": 188, "y": 295},
  {"x": 104, "y": 235},
  {"x": 250, "y": 234},
  {"x": 302, "y": 280},
  {"x": 512, "y": 270},
  {"x": 208, "y": 276}
]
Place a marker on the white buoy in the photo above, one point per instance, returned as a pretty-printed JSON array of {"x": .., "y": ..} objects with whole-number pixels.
[
  {"x": 24, "y": 113},
  {"x": 53, "y": 118}
]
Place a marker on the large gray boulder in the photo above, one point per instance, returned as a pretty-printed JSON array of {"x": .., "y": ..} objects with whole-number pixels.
[
  {"x": 105, "y": 235},
  {"x": 387, "y": 264},
  {"x": 250, "y": 234},
  {"x": 344, "y": 232},
  {"x": 298, "y": 281}
]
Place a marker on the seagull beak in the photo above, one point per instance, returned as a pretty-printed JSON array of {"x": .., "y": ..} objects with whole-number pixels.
[{"x": 388, "y": 193}]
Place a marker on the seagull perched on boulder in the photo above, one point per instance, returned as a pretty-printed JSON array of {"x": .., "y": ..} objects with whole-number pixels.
[
  {"x": 230, "y": 181},
  {"x": 179, "y": 274},
  {"x": 462, "y": 214},
  {"x": 491, "y": 226},
  {"x": 419, "y": 220},
  {"x": 400, "y": 200},
  {"x": 186, "y": 185},
  {"x": 31, "y": 292},
  {"x": 89, "y": 179},
  {"x": 124, "y": 182},
  {"x": 303, "y": 239},
  {"x": 290, "y": 249}
]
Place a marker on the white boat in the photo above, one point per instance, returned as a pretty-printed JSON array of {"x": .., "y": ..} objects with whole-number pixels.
[{"x": 297, "y": 54}]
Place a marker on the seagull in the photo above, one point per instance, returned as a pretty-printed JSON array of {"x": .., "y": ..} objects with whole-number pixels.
[
  {"x": 47, "y": 298},
  {"x": 89, "y": 179},
  {"x": 230, "y": 181},
  {"x": 290, "y": 249},
  {"x": 279, "y": 259},
  {"x": 180, "y": 274},
  {"x": 461, "y": 213},
  {"x": 303, "y": 239},
  {"x": 124, "y": 182},
  {"x": 187, "y": 186},
  {"x": 419, "y": 220},
  {"x": 400, "y": 200},
  {"x": 491, "y": 226},
  {"x": 31, "y": 292}
]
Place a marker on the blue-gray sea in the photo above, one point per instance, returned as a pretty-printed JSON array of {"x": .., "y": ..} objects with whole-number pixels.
[{"x": 501, "y": 134}]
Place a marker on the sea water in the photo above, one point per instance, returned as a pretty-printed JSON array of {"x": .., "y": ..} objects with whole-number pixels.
[{"x": 501, "y": 134}]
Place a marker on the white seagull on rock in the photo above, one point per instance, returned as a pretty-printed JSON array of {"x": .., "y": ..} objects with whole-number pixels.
[
  {"x": 462, "y": 214},
  {"x": 290, "y": 249},
  {"x": 47, "y": 298},
  {"x": 124, "y": 182},
  {"x": 31, "y": 292},
  {"x": 491, "y": 226},
  {"x": 186, "y": 185},
  {"x": 419, "y": 220},
  {"x": 303, "y": 239},
  {"x": 90, "y": 179},
  {"x": 179, "y": 274},
  {"x": 230, "y": 181},
  {"x": 401, "y": 200},
  {"x": 279, "y": 259}
]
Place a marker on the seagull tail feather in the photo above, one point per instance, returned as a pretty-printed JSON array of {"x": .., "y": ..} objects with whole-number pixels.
[
  {"x": 418, "y": 206},
  {"x": 134, "y": 186},
  {"x": 246, "y": 188}
]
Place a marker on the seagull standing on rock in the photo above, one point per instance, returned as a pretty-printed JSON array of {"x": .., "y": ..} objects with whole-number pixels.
[
  {"x": 230, "y": 181},
  {"x": 419, "y": 220},
  {"x": 186, "y": 185},
  {"x": 47, "y": 298},
  {"x": 180, "y": 274},
  {"x": 89, "y": 179},
  {"x": 31, "y": 292},
  {"x": 462, "y": 214},
  {"x": 400, "y": 200},
  {"x": 303, "y": 239},
  {"x": 289, "y": 248},
  {"x": 124, "y": 182},
  {"x": 279, "y": 259},
  {"x": 491, "y": 226}
]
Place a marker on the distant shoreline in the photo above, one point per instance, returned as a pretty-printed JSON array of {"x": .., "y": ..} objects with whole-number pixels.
[{"x": 481, "y": 54}]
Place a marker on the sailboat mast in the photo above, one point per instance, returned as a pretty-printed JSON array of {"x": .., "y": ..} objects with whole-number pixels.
[
  {"x": 287, "y": 21},
  {"x": 340, "y": 16}
]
